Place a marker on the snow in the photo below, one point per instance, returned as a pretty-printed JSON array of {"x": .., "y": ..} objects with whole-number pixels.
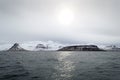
[
  {"x": 5, "y": 46},
  {"x": 31, "y": 45},
  {"x": 50, "y": 45}
]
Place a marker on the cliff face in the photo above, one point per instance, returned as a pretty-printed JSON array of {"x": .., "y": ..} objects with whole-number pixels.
[
  {"x": 80, "y": 48},
  {"x": 16, "y": 47}
]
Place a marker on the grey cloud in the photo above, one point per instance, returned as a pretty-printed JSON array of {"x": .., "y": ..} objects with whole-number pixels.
[{"x": 35, "y": 20}]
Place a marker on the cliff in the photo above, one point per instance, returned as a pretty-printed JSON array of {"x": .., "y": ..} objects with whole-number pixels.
[{"x": 80, "y": 48}]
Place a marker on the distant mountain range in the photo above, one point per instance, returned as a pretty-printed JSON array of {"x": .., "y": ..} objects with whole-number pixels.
[
  {"x": 53, "y": 46},
  {"x": 32, "y": 46}
]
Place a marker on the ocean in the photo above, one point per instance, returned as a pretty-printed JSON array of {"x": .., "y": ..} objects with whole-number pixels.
[{"x": 60, "y": 65}]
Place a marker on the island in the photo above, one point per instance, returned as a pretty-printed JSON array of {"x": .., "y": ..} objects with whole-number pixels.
[
  {"x": 81, "y": 48},
  {"x": 16, "y": 47}
]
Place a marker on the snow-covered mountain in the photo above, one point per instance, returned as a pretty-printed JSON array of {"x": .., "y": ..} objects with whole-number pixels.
[
  {"x": 16, "y": 47},
  {"x": 42, "y": 45},
  {"x": 35, "y": 45},
  {"x": 46, "y": 46},
  {"x": 112, "y": 48}
]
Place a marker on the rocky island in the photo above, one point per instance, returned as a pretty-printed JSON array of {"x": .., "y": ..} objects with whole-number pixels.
[
  {"x": 16, "y": 47},
  {"x": 81, "y": 48}
]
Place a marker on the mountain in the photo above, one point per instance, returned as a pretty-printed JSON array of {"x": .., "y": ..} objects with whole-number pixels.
[
  {"x": 37, "y": 46},
  {"x": 42, "y": 45},
  {"x": 16, "y": 47},
  {"x": 80, "y": 48},
  {"x": 112, "y": 48},
  {"x": 32, "y": 46}
]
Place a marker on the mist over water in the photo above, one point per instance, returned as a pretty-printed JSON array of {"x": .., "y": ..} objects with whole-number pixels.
[{"x": 52, "y": 65}]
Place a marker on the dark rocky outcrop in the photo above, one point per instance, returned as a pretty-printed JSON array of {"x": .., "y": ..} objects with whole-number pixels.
[
  {"x": 81, "y": 48},
  {"x": 16, "y": 47},
  {"x": 40, "y": 46}
]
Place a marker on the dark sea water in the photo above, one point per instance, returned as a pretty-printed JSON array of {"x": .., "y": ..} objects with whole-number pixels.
[{"x": 64, "y": 65}]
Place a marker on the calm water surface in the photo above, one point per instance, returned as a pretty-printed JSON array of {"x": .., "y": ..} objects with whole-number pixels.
[{"x": 64, "y": 65}]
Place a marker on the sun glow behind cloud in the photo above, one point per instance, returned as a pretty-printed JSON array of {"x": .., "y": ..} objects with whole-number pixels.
[
  {"x": 65, "y": 16},
  {"x": 62, "y": 20}
]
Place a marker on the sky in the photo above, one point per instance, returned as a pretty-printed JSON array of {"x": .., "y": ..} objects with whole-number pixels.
[{"x": 66, "y": 21}]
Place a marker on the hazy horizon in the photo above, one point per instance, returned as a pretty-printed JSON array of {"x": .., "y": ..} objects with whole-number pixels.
[{"x": 65, "y": 21}]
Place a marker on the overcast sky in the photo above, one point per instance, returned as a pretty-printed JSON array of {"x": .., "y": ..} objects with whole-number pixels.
[{"x": 67, "y": 21}]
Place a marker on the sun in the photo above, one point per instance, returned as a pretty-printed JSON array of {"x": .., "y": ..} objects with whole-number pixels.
[{"x": 65, "y": 16}]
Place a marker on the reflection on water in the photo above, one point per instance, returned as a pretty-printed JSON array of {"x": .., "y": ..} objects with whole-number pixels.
[
  {"x": 63, "y": 55},
  {"x": 64, "y": 67},
  {"x": 59, "y": 65}
]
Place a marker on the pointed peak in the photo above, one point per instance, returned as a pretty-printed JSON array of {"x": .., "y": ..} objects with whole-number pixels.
[{"x": 16, "y": 47}]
